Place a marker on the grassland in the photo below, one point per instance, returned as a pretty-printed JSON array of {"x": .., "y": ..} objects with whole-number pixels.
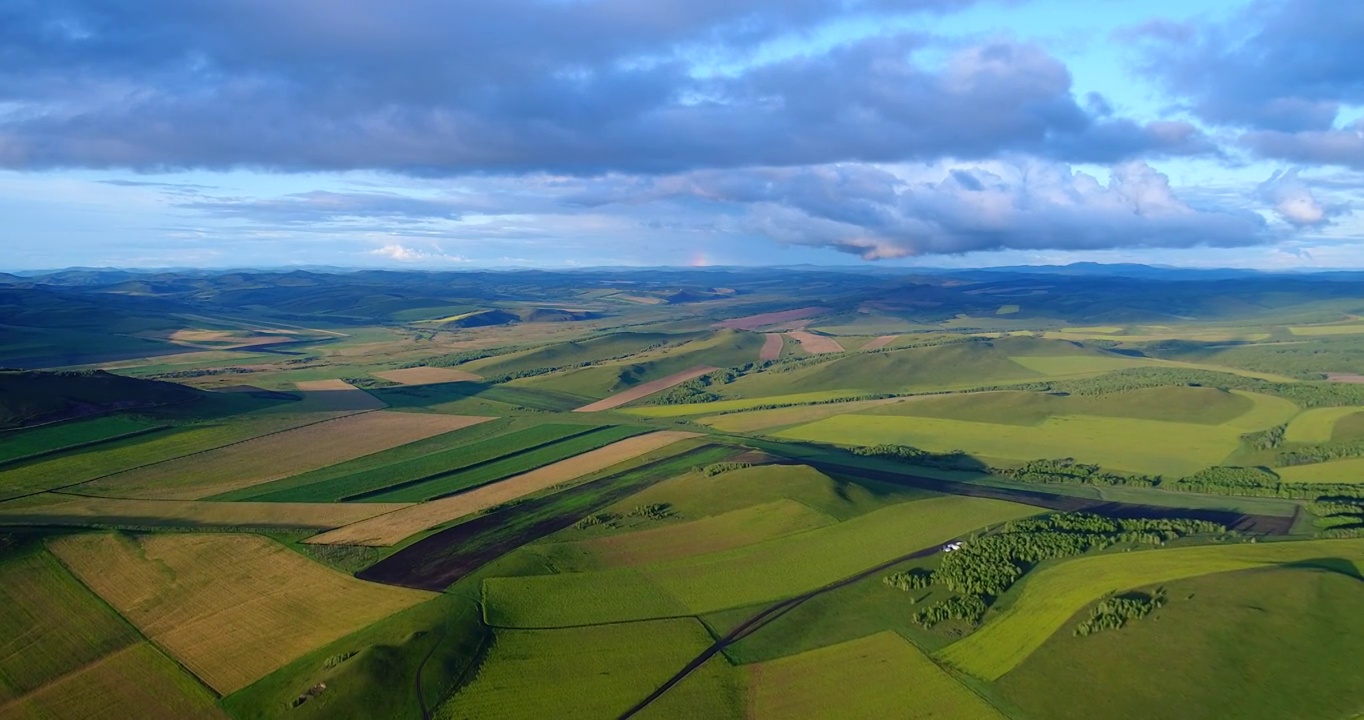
[
  {"x": 1254, "y": 644},
  {"x": 17, "y": 445},
  {"x": 427, "y": 376},
  {"x": 80, "y": 510},
  {"x": 1077, "y": 364},
  {"x": 275, "y": 456},
  {"x": 594, "y": 672},
  {"x": 725, "y": 406},
  {"x": 770, "y": 570},
  {"x": 1048, "y": 597},
  {"x": 393, "y": 527},
  {"x": 231, "y": 608},
  {"x": 1317, "y": 425},
  {"x": 881, "y": 675},
  {"x": 135, "y": 682},
  {"x": 756, "y": 420},
  {"x": 501, "y": 468},
  {"x": 1336, "y": 471},
  {"x": 1319, "y": 330},
  {"x": 643, "y": 390}
]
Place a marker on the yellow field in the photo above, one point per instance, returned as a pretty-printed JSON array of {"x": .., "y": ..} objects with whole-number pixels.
[
  {"x": 276, "y": 456},
  {"x": 1051, "y": 595},
  {"x": 815, "y": 344},
  {"x": 1338, "y": 471},
  {"x": 49, "y": 509},
  {"x": 427, "y": 376},
  {"x": 1312, "y": 330},
  {"x": 879, "y": 676},
  {"x": 393, "y": 527},
  {"x": 135, "y": 682},
  {"x": 1317, "y": 424},
  {"x": 230, "y": 608}
]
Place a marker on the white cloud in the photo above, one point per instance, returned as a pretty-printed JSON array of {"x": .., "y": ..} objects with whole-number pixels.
[
  {"x": 405, "y": 254},
  {"x": 1292, "y": 199}
]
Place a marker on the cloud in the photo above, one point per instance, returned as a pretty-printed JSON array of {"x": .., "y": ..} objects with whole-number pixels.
[
  {"x": 875, "y": 213},
  {"x": 1292, "y": 199},
  {"x": 327, "y": 206},
  {"x": 404, "y": 254},
  {"x": 1325, "y": 147},
  {"x": 515, "y": 86}
]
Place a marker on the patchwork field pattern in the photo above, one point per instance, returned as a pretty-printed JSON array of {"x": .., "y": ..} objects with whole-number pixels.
[
  {"x": 725, "y": 406},
  {"x": 337, "y": 395},
  {"x": 772, "y": 345},
  {"x": 1051, "y": 595},
  {"x": 1317, "y": 424},
  {"x": 753, "y": 322},
  {"x": 879, "y": 676},
  {"x": 644, "y": 390},
  {"x": 68, "y": 435},
  {"x": 880, "y": 342},
  {"x": 51, "y": 509},
  {"x": 276, "y": 456},
  {"x": 427, "y": 376},
  {"x": 784, "y": 567},
  {"x": 1337, "y": 471},
  {"x": 231, "y": 608},
  {"x": 393, "y": 527},
  {"x": 816, "y": 344}
]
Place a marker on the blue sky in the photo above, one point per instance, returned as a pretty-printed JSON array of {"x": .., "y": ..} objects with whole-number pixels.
[{"x": 558, "y": 133}]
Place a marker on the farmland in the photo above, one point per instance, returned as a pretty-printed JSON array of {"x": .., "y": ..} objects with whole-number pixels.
[
  {"x": 232, "y": 608},
  {"x": 721, "y": 493}
]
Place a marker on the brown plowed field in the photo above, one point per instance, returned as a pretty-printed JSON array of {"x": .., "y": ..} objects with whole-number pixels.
[
  {"x": 1345, "y": 378},
  {"x": 391, "y": 528},
  {"x": 427, "y": 376},
  {"x": 276, "y": 456},
  {"x": 772, "y": 345},
  {"x": 816, "y": 344},
  {"x": 880, "y": 342},
  {"x": 646, "y": 389},
  {"x": 753, "y": 322}
]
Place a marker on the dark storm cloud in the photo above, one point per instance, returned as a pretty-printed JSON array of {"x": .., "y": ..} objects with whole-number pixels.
[
  {"x": 1281, "y": 69},
  {"x": 520, "y": 85}
]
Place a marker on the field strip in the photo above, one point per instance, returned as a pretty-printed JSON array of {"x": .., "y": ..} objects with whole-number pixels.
[
  {"x": 338, "y": 395},
  {"x": 40, "y": 454},
  {"x": 1050, "y": 596},
  {"x": 231, "y": 608},
  {"x": 880, "y": 342},
  {"x": 753, "y": 322},
  {"x": 427, "y": 376},
  {"x": 276, "y": 456},
  {"x": 393, "y": 527},
  {"x": 1318, "y": 424},
  {"x": 262, "y": 323},
  {"x": 728, "y": 406},
  {"x": 772, "y": 345},
  {"x": 646, "y": 389},
  {"x": 816, "y": 344},
  {"x": 81, "y": 510},
  {"x": 880, "y": 675}
]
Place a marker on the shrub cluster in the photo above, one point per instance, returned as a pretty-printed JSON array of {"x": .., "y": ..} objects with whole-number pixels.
[
  {"x": 1067, "y": 470},
  {"x": 723, "y": 467},
  {"x": 1114, "y": 612}
]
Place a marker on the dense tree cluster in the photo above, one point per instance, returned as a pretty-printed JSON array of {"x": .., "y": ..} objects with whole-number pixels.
[
  {"x": 1226, "y": 480},
  {"x": 1339, "y": 516},
  {"x": 1319, "y": 453},
  {"x": 954, "y": 460},
  {"x": 1305, "y": 394},
  {"x": 1114, "y": 612},
  {"x": 1266, "y": 439},
  {"x": 1067, "y": 470},
  {"x": 968, "y": 608},
  {"x": 1305, "y": 358},
  {"x": 723, "y": 467},
  {"x": 909, "y": 580}
]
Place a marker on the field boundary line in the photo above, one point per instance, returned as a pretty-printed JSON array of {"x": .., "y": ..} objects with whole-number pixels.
[{"x": 24, "y": 459}]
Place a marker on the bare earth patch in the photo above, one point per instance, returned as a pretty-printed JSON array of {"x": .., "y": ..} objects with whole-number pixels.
[
  {"x": 276, "y": 456},
  {"x": 1345, "y": 378},
  {"x": 393, "y": 527},
  {"x": 646, "y": 389},
  {"x": 880, "y": 342},
  {"x": 753, "y": 322},
  {"x": 231, "y": 608},
  {"x": 816, "y": 344},
  {"x": 428, "y": 376},
  {"x": 772, "y": 345}
]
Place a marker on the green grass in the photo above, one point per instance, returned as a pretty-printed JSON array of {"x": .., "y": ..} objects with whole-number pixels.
[
  {"x": 1349, "y": 428},
  {"x": 714, "y": 690},
  {"x": 505, "y": 467},
  {"x": 878, "y": 676},
  {"x": 51, "y": 624},
  {"x": 1048, "y": 597},
  {"x": 742, "y": 576},
  {"x": 1316, "y": 330},
  {"x": 1204, "y": 406},
  {"x": 720, "y": 406},
  {"x": 1336, "y": 471},
  {"x": 1116, "y": 443},
  {"x": 69, "y": 436},
  {"x": 573, "y": 352},
  {"x": 371, "y": 474},
  {"x": 1078, "y": 364},
  {"x": 593, "y": 672},
  {"x": 1317, "y": 425},
  {"x": 1257, "y": 644}
]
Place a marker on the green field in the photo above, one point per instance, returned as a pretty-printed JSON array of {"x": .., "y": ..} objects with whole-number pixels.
[
  {"x": 879, "y": 676},
  {"x": 1077, "y": 364},
  {"x": 742, "y": 576},
  {"x": 1337, "y": 471},
  {"x": 374, "y": 473},
  {"x": 724, "y": 406},
  {"x": 1203, "y": 406},
  {"x": 1318, "y": 425},
  {"x": 504, "y": 467},
  {"x": 574, "y": 352},
  {"x": 1251, "y": 644},
  {"x": 1048, "y": 597},
  {"x": 69, "y": 435},
  {"x": 593, "y": 672}
]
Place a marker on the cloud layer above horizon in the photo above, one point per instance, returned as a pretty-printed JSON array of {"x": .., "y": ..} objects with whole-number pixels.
[{"x": 443, "y": 132}]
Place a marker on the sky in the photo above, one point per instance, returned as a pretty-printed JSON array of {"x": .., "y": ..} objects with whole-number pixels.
[{"x": 459, "y": 134}]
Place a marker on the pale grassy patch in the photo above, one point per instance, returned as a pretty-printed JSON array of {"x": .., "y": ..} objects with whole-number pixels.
[
  {"x": 1338, "y": 471},
  {"x": 1317, "y": 424}
]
